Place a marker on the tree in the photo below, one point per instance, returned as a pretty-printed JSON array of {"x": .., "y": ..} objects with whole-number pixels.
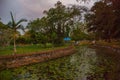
[
  {"x": 57, "y": 23},
  {"x": 38, "y": 30},
  {"x": 15, "y": 26},
  {"x": 61, "y": 20},
  {"x": 79, "y": 32},
  {"x": 5, "y": 35},
  {"x": 103, "y": 21}
]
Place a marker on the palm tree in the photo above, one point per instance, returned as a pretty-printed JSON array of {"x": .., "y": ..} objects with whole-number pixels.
[{"x": 15, "y": 26}]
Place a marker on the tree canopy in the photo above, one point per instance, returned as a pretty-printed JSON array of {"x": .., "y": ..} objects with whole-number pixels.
[
  {"x": 57, "y": 23},
  {"x": 104, "y": 20}
]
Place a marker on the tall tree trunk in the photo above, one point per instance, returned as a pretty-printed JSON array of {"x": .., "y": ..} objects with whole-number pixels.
[{"x": 14, "y": 44}]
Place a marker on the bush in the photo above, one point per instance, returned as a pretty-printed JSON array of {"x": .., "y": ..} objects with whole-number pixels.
[{"x": 49, "y": 45}]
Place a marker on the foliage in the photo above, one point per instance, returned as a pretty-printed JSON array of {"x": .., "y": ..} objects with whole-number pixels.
[
  {"x": 94, "y": 64},
  {"x": 6, "y": 75},
  {"x": 80, "y": 32},
  {"x": 23, "y": 40},
  {"x": 79, "y": 35},
  {"x": 57, "y": 23},
  {"x": 103, "y": 21},
  {"x": 15, "y": 26},
  {"x": 5, "y": 35}
]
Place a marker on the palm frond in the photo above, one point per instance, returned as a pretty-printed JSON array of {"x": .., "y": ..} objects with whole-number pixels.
[
  {"x": 21, "y": 27},
  {"x": 13, "y": 21},
  {"x": 10, "y": 25},
  {"x": 20, "y": 21}
]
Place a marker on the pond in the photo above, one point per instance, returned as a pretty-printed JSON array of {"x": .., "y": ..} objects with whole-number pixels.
[{"x": 86, "y": 64}]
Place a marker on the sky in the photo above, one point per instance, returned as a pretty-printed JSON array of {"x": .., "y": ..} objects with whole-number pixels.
[{"x": 29, "y": 9}]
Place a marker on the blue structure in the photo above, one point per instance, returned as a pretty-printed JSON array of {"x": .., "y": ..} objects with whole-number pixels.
[{"x": 67, "y": 39}]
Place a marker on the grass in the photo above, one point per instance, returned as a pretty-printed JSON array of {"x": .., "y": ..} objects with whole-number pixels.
[
  {"x": 84, "y": 43},
  {"x": 25, "y": 49},
  {"x": 112, "y": 43}
]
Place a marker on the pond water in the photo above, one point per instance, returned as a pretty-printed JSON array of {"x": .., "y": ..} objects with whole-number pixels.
[{"x": 86, "y": 64}]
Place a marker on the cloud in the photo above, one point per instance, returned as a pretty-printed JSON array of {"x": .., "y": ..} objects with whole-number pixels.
[
  {"x": 35, "y": 8},
  {"x": 29, "y": 9}
]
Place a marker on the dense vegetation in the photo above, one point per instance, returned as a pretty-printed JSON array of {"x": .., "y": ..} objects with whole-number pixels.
[
  {"x": 57, "y": 23},
  {"x": 103, "y": 19},
  {"x": 101, "y": 22}
]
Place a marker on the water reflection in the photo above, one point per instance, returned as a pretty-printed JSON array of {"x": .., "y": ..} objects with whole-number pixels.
[
  {"x": 84, "y": 61},
  {"x": 86, "y": 64}
]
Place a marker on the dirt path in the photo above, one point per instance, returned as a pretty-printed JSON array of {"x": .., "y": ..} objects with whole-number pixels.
[{"x": 26, "y": 59}]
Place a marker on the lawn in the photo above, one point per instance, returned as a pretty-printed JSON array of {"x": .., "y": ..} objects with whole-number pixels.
[{"x": 25, "y": 49}]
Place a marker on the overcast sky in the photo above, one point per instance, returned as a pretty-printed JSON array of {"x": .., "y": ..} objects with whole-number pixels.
[{"x": 29, "y": 9}]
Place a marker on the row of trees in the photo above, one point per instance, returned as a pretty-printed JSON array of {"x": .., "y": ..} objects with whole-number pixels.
[
  {"x": 103, "y": 19},
  {"x": 59, "y": 22},
  {"x": 56, "y": 24}
]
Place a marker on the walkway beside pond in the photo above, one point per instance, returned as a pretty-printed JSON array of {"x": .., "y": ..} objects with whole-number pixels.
[{"x": 18, "y": 60}]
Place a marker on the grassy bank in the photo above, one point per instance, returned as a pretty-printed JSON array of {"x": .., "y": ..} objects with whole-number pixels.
[
  {"x": 115, "y": 44},
  {"x": 26, "y": 49}
]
